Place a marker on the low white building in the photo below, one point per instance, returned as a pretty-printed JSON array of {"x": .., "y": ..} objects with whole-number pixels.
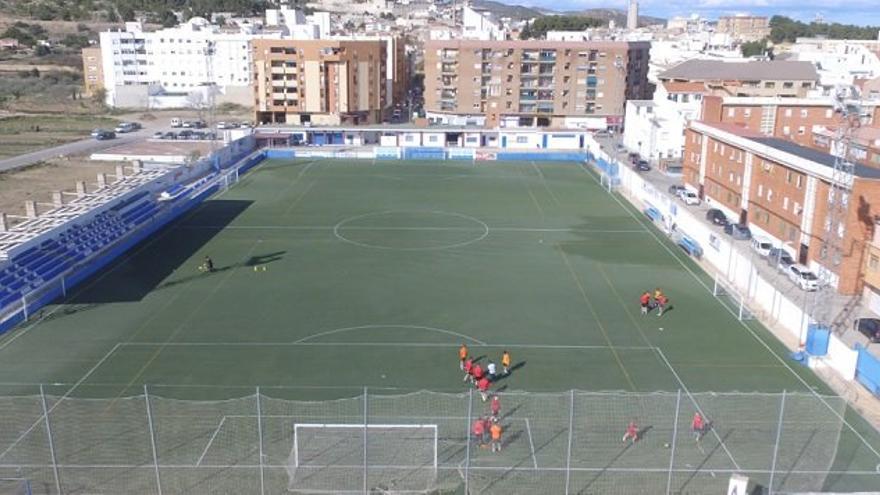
[{"x": 840, "y": 61}]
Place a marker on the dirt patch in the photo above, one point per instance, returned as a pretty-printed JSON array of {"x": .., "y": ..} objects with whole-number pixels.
[{"x": 38, "y": 181}]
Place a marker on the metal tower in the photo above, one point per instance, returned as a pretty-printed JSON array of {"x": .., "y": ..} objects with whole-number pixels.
[
  {"x": 211, "y": 88},
  {"x": 846, "y": 101}
]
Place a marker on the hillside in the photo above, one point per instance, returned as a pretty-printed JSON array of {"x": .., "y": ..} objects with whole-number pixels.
[
  {"x": 506, "y": 10},
  {"x": 514, "y": 11},
  {"x": 617, "y": 15}
]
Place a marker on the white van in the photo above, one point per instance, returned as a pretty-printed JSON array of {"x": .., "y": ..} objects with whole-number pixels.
[{"x": 176, "y": 122}]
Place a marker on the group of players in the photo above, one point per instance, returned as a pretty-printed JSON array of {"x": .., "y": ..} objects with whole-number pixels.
[
  {"x": 699, "y": 427},
  {"x": 650, "y": 301},
  {"x": 486, "y": 429}
]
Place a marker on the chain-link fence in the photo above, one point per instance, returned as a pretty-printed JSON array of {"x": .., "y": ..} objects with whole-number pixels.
[{"x": 569, "y": 442}]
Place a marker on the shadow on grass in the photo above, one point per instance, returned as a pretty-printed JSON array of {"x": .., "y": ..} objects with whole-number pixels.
[{"x": 134, "y": 275}]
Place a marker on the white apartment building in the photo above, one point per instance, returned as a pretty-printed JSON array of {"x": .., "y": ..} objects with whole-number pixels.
[
  {"x": 840, "y": 61},
  {"x": 183, "y": 66},
  {"x": 655, "y": 128}
]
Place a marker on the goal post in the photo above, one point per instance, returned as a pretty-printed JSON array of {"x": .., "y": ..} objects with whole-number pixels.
[
  {"x": 609, "y": 183},
  {"x": 731, "y": 298},
  {"x": 345, "y": 457}
]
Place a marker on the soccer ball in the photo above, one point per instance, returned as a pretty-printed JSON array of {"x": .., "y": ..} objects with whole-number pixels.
[{"x": 665, "y": 445}]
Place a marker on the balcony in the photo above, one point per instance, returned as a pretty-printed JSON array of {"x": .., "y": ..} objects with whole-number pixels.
[{"x": 449, "y": 68}]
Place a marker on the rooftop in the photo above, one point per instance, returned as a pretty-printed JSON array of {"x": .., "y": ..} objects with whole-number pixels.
[{"x": 708, "y": 70}]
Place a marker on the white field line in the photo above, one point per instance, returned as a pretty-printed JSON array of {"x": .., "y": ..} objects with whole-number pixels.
[
  {"x": 59, "y": 401},
  {"x": 531, "y": 443},
  {"x": 211, "y": 441}
]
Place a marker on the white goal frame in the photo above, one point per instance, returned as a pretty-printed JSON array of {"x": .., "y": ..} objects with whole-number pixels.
[
  {"x": 365, "y": 428},
  {"x": 722, "y": 286}
]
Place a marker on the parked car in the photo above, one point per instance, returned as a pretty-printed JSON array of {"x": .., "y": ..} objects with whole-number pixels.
[
  {"x": 96, "y": 132},
  {"x": 642, "y": 166},
  {"x": 169, "y": 135},
  {"x": 689, "y": 197},
  {"x": 780, "y": 258},
  {"x": 675, "y": 189},
  {"x": 738, "y": 231},
  {"x": 158, "y": 135},
  {"x": 222, "y": 125},
  {"x": 803, "y": 277},
  {"x": 185, "y": 134},
  {"x": 176, "y": 122},
  {"x": 717, "y": 217},
  {"x": 199, "y": 124},
  {"x": 869, "y": 327},
  {"x": 761, "y": 246},
  {"x": 125, "y": 127},
  {"x": 620, "y": 148},
  {"x": 633, "y": 157},
  {"x": 105, "y": 135}
]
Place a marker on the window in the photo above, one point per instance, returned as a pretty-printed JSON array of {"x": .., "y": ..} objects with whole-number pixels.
[
  {"x": 801, "y": 130},
  {"x": 522, "y": 139},
  {"x": 788, "y": 85},
  {"x": 769, "y": 194},
  {"x": 828, "y": 113},
  {"x": 760, "y": 190},
  {"x": 799, "y": 181},
  {"x": 785, "y": 203},
  {"x": 747, "y": 112},
  {"x": 786, "y": 130},
  {"x": 770, "y": 84},
  {"x": 804, "y": 113},
  {"x": 874, "y": 262},
  {"x": 731, "y": 112},
  {"x": 788, "y": 112}
]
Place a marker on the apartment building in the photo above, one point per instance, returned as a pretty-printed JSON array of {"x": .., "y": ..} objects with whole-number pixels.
[
  {"x": 93, "y": 70},
  {"x": 864, "y": 145},
  {"x": 744, "y": 27},
  {"x": 320, "y": 82},
  {"x": 176, "y": 67},
  {"x": 787, "y": 79},
  {"x": 794, "y": 119},
  {"x": 781, "y": 190},
  {"x": 530, "y": 83}
]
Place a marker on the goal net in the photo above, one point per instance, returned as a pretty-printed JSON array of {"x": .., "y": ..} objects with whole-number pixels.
[
  {"x": 609, "y": 183},
  {"x": 731, "y": 298},
  {"x": 376, "y": 458}
]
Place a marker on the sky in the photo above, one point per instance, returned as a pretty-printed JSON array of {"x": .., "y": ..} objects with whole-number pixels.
[{"x": 861, "y": 12}]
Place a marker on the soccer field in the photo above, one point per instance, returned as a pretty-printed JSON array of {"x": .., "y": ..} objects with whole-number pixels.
[{"x": 343, "y": 290}]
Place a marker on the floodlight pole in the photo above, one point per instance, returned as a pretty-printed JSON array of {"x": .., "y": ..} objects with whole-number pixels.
[
  {"x": 467, "y": 438},
  {"x": 568, "y": 452},
  {"x": 366, "y": 466},
  {"x": 674, "y": 440},
  {"x": 260, "y": 433},
  {"x": 153, "y": 440}
]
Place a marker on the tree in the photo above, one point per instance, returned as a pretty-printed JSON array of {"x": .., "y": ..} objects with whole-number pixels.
[
  {"x": 538, "y": 28},
  {"x": 42, "y": 50},
  {"x": 756, "y": 48},
  {"x": 99, "y": 96},
  {"x": 784, "y": 29},
  {"x": 168, "y": 19}
]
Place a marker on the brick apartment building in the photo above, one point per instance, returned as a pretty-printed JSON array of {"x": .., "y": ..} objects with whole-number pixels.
[
  {"x": 794, "y": 119},
  {"x": 864, "y": 146},
  {"x": 320, "y": 82},
  {"x": 533, "y": 83},
  {"x": 93, "y": 69},
  {"x": 781, "y": 190},
  {"x": 744, "y": 27},
  {"x": 781, "y": 78}
]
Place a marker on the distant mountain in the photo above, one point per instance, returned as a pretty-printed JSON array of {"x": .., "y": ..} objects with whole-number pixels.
[
  {"x": 617, "y": 15},
  {"x": 506, "y": 10},
  {"x": 514, "y": 11}
]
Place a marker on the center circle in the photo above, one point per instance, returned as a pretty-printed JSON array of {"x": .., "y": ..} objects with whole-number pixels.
[{"x": 411, "y": 230}]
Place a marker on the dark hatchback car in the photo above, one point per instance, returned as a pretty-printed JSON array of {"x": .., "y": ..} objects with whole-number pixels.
[
  {"x": 717, "y": 217},
  {"x": 642, "y": 166},
  {"x": 869, "y": 327},
  {"x": 738, "y": 231}
]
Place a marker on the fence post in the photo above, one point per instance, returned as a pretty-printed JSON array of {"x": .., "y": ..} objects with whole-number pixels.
[
  {"x": 467, "y": 439},
  {"x": 153, "y": 440},
  {"x": 568, "y": 452},
  {"x": 51, "y": 442},
  {"x": 674, "y": 439},
  {"x": 776, "y": 445},
  {"x": 366, "y": 467},
  {"x": 260, "y": 433}
]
